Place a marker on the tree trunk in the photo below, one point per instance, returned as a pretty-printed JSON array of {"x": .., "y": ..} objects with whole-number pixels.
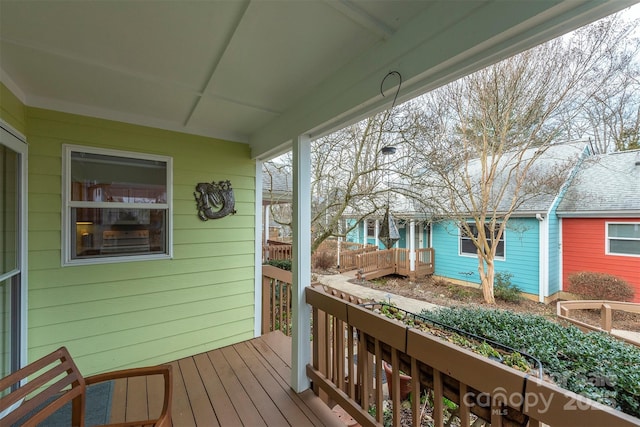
[{"x": 486, "y": 278}]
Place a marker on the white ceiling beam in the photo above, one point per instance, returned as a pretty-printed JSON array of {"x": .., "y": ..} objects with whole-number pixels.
[
  {"x": 361, "y": 17},
  {"x": 216, "y": 61}
]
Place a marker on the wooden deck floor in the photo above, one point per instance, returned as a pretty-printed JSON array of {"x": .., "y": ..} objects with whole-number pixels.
[{"x": 245, "y": 384}]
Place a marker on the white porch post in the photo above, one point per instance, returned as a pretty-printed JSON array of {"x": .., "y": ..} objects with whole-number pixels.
[
  {"x": 412, "y": 246},
  {"x": 267, "y": 220},
  {"x": 377, "y": 233},
  {"x": 257, "y": 301},
  {"x": 301, "y": 327}
]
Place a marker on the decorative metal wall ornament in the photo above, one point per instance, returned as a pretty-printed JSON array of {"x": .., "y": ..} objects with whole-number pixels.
[{"x": 215, "y": 200}]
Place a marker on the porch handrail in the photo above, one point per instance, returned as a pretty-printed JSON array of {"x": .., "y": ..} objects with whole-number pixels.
[
  {"x": 348, "y": 340},
  {"x": 278, "y": 251},
  {"x": 349, "y": 258},
  {"x": 565, "y": 308},
  {"x": 276, "y": 299}
]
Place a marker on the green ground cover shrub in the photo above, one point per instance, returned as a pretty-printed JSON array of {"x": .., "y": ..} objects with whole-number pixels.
[
  {"x": 284, "y": 264},
  {"x": 600, "y": 286},
  {"x": 593, "y": 365}
]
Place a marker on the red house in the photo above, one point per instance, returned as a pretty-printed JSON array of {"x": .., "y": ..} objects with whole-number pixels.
[{"x": 600, "y": 219}]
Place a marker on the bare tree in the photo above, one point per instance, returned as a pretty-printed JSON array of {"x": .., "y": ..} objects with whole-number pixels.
[
  {"x": 350, "y": 174},
  {"x": 484, "y": 149},
  {"x": 607, "y": 110}
]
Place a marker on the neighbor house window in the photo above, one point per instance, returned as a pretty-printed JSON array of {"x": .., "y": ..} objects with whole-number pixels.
[
  {"x": 468, "y": 248},
  {"x": 623, "y": 238},
  {"x": 371, "y": 228},
  {"x": 117, "y": 206}
]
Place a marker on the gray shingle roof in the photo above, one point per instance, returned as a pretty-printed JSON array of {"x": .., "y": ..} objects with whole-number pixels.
[
  {"x": 277, "y": 186},
  {"x": 605, "y": 185}
]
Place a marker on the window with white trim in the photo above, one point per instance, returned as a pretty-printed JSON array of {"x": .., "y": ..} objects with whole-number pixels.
[
  {"x": 623, "y": 238},
  {"x": 371, "y": 228},
  {"x": 468, "y": 248},
  {"x": 117, "y": 206}
]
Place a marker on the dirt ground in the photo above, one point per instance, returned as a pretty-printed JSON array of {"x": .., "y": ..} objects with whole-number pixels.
[{"x": 447, "y": 294}]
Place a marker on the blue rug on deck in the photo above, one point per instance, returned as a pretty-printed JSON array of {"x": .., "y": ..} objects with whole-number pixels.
[{"x": 98, "y": 408}]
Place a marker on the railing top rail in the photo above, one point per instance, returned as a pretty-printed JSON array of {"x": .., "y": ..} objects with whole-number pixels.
[
  {"x": 277, "y": 273},
  {"x": 595, "y": 304}
]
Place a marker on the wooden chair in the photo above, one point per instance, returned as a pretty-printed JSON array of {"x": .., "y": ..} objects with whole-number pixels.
[{"x": 55, "y": 380}]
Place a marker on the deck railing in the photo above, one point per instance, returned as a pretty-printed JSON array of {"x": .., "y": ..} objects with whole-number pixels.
[
  {"x": 607, "y": 308},
  {"x": 350, "y": 343},
  {"x": 377, "y": 263},
  {"x": 424, "y": 261},
  {"x": 349, "y": 258},
  {"x": 276, "y": 251},
  {"x": 276, "y": 300}
]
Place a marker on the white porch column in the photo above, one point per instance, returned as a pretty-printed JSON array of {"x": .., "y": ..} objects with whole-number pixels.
[
  {"x": 412, "y": 246},
  {"x": 377, "y": 232},
  {"x": 267, "y": 220},
  {"x": 301, "y": 328},
  {"x": 257, "y": 299}
]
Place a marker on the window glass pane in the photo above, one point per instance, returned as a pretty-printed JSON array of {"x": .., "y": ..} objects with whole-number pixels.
[
  {"x": 627, "y": 247},
  {"x": 5, "y": 329},
  {"x": 117, "y": 232},
  {"x": 103, "y": 178},
  {"x": 467, "y": 247},
  {"x": 371, "y": 228},
  {"x": 630, "y": 231},
  {"x": 8, "y": 209}
]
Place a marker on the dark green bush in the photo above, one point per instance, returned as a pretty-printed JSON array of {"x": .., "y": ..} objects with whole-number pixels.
[
  {"x": 284, "y": 264},
  {"x": 600, "y": 286},
  {"x": 504, "y": 290},
  {"x": 594, "y": 364}
]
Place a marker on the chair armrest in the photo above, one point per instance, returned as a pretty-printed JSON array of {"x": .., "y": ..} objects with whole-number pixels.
[{"x": 164, "y": 370}]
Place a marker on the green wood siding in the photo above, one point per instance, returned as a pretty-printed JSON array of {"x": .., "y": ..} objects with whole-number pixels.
[
  {"x": 12, "y": 111},
  {"x": 145, "y": 312}
]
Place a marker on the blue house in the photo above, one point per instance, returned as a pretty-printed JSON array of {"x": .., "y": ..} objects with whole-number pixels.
[{"x": 529, "y": 249}]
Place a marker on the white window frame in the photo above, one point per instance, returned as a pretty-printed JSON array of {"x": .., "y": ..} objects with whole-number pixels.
[
  {"x": 607, "y": 242},
  {"x": 68, "y": 204},
  {"x": 475, "y": 255}
]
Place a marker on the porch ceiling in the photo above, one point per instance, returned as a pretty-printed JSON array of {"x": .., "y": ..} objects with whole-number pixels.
[{"x": 260, "y": 72}]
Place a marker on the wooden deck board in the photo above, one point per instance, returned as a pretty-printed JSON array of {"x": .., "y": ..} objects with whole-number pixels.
[
  {"x": 260, "y": 398},
  {"x": 222, "y": 405},
  {"x": 273, "y": 387},
  {"x": 246, "y": 384},
  {"x": 319, "y": 416}
]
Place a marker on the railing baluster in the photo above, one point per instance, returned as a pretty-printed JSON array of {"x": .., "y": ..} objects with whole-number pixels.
[
  {"x": 415, "y": 394},
  {"x": 464, "y": 412},
  {"x": 327, "y": 347},
  {"x": 350, "y": 351},
  {"x": 496, "y": 412},
  {"x": 378, "y": 377},
  {"x": 363, "y": 370},
  {"x": 340, "y": 331},
  {"x": 395, "y": 385},
  {"x": 273, "y": 310},
  {"x": 281, "y": 306},
  {"x": 438, "y": 396}
]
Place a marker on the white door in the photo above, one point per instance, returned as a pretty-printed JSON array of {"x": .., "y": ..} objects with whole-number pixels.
[{"x": 13, "y": 160}]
